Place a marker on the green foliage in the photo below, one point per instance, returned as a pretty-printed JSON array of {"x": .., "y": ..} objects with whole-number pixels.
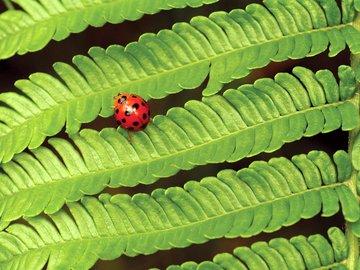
[
  {"x": 48, "y": 188},
  {"x": 224, "y": 47},
  {"x": 314, "y": 252},
  {"x": 238, "y": 124},
  {"x": 263, "y": 197},
  {"x": 356, "y": 153},
  {"x": 30, "y": 29}
]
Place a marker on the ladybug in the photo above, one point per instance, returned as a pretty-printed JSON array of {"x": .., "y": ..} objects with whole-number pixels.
[{"x": 131, "y": 112}]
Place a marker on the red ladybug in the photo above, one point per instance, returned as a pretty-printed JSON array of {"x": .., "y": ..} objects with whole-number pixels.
[{"x": 131, "y": 112}]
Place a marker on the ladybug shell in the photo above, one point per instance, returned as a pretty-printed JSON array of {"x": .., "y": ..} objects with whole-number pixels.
[{"x": 131, "y": 111}]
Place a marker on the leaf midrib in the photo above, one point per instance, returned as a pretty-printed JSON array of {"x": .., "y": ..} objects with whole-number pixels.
[
  {"x": 62, "y": 181},
  {"x": 331, "y": 266},
  {"x": 150, "y": 77},
  {"x": 181, "y": 227}
]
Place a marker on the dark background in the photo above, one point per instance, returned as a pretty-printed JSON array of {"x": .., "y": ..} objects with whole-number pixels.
[{"x": 19, "y": 67}]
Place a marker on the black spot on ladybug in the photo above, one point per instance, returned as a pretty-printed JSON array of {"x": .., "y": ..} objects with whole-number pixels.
[
  {"x": 134, "y": 96},
  {"x": 118, "y": 122},
  {"x": 135, "y": 106},
  {"x": 143, "y": 103},
  {"x": 117, "y": 111},
  {"x": 122, "y": 99},
  {"x": 123, "y": 120},
  {"x": 144, "y": 126},
  {"x": 144, "y": 116},
  {"x": 135, "y": 123},
  {"x": 127, "y": 113}
]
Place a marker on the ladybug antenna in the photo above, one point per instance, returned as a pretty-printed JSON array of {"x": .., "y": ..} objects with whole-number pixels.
[{"x": 118, "y": 94}]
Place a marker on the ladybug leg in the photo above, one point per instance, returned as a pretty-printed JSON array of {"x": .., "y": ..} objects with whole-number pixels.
[{"x": 130, "y": 136}]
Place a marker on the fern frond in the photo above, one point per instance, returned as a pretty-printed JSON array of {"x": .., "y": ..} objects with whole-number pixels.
[
  {"x": 300, "y": 252},
  {"x": 239, "y": 124},
  {"x": 32, "y": 28},
  {"x": 263, "y": 197},
  {"x": 224, "y": 46}
]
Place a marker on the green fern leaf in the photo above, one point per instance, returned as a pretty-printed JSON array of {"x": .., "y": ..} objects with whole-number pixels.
[
  {"x": 30, "y": 29},
  {"x": 239, "y": 124},
  {"x": 224, "y": 46},
  {"x": 355, "y": 153},
  {"x": 314, "y": 252},
  {"x": 263, "y": 197}
]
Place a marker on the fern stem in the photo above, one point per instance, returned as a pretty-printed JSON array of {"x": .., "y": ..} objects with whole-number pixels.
[
  {"x": 330, "y": 266},
  {"x": 352, "y": 239},
  {"x": 9, "y": 4}
]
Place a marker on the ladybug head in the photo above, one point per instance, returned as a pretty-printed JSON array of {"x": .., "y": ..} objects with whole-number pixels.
[{"x": 120, "y": 98}]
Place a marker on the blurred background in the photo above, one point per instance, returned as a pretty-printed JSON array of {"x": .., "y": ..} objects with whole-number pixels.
[{"x": 20, "y": 67}]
